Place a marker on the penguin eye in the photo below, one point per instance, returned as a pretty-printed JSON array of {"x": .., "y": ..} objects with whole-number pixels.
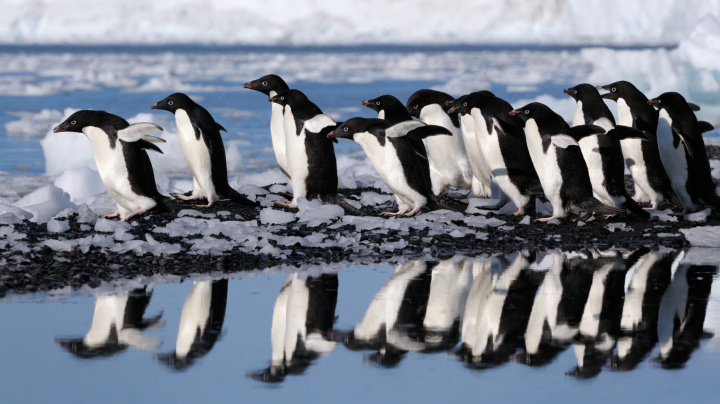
[
  {"x": 575, "y": 92},
  {"x": 613, "y": 89},
  {"x": 377, "y": 102},
  {"x": 264, "y": 83},
  {"x": 282, "y": 98},
  {"x": 73, "y": 122},
  {"x": 170, "y": 103},
  {"x": 527, "y": 112},
  {"x": 415, "y": 106},
  {"x": 465, "y": 104},
  {"x": 659, "y": 101},
  {"x": 345, "y": 129}
]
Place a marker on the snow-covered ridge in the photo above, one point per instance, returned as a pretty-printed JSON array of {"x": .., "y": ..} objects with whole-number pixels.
[{"x": 349, "y": 22}]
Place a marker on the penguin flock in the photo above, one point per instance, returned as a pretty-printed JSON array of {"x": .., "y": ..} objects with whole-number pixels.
[{"x": 477, "y": 142}]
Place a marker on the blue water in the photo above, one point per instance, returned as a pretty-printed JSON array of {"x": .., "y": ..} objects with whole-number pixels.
[{"x": 37, "y": 368}]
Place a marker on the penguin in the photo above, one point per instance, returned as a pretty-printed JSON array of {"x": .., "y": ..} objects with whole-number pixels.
[
  {"x": 121, "y": 159},
  {"x": 118, "y": 323},
  {"x": 302, "y": 325},
  {"x": 449, "y": 165},
  {"x": 500, "y": 137},
  {"x": 392, "y": 110},
  {"x": 310, "y": 152},
  {"x": 682, "y": 151},
  {"x": 559, "y": 162},
  {"x": 201, "y": 322},
  {"x": 271, "y": 85},
  {"x": 642, "y": 158},
  {"x": 390, "y": 150},
  {"x": 203, "y": 149},
  {"x": 603, "y": 152}
]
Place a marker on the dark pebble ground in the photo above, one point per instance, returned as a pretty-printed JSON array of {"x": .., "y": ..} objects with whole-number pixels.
[{"x": 48, "y": 269}]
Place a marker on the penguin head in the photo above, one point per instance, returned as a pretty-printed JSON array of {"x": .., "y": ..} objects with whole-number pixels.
[
  {"x": 173, "y": 102},
  {"x": 619, "y": 89},
  {"x": 349, "y": 128},
  {"x": 529, "y": 111},
  {"x": 84, "y": 118},
  {"x": 422, "y": 98},
  {"x": 580, "y": 91},
  {"x": 380, "y": 103},
  {"x": 467, "y": 102},
  {"x": 674, "y": 103},
  {"x": 268, "y": 84},
  {"x": 289, "y": 97}
]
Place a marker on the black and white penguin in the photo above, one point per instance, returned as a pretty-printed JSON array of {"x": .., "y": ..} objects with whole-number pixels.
[
  {"x": 201, "y": 322},
  {"x": 449, "y": 164},
  {"x": 682, "y": 151},
  {"x": 602, "y": 152},
  {"x": 118, "y": 323},
  {"x": 203, "y": 149},
  {"x": 559, "y": 162},
  {"x": 391, "y": 151},
  {"x": 121, "y": 159},
  {"x": 642, "y": 157},
  {"x": 271, "y": 85},
  {"x": 505, "y": 151},
  {"x": 311, "y": 155},
  {"x": 302, "y": 325}
]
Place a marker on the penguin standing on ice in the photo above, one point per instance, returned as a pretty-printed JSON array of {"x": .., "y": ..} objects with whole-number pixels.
[
  {"x": 121, "y": 159},
  {"x": 449, "y": 165},
  {"x": 559, "y": 162},
  {"x": 641, "y": 156},
  {"x": 500, "y": 136},
  {"x": 603, "y": 152},
  {"x": 203, "y": 149},
  {"x": 310, "y": 152},
  {"x": 682, "y": 151},
  {"x": 390, "y": 150},
  {"x": 271, "y": 85}
]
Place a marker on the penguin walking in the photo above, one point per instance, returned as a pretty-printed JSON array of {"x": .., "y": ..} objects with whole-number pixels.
[
  {"x": 121, "y": 159},
  {"x": 603, "y": 152},
  {"x": 559, "y": 162},
  {"x": 642, "y": 157},
  {"x": 500, "y": 137},
  {"x": 449, "y": 165},
  {"x": 271, "y": 85},
  {"x": 390, "y": 150},
  {"x": 203, "y": 149},
  {"x": 310, "y": 152},
  {"x": 682, "y": 151}
]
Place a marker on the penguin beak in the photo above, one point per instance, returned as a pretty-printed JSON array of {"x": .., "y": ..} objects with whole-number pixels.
[
  {"x": 606, "y": 88},
  {"x": 653, "y": 102},
  {"x": 514, "y": 112},
  {"x": 60, "y": 128},
  {"x": 453, "y": 107},
  {"x": 249, "y": 85},
  {"x": 272, "y": 99},
  {"x": 156, "y": 105},
  {"x": 567, "y": 91},
  {"x": 366, "y": 103}
]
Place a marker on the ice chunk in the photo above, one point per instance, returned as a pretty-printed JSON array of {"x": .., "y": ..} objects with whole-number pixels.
[
  {"x": 57, "y": 226},
  {"x": 111, "y": 226},
  {"x": 374, "y": 199},
  {"x": 45, "y": 203},
  {"x": 273, "y": 216},
  {"x": 80, "y": 183},
  {"x": 698, "y": 216},
  {"x": 315, "y": 213},
  {"x": 703, "y": 236},
  {"x": 15, "y": 211},
  {"x": 525, "y": 220},
  {"x": 33, "y": 123}
]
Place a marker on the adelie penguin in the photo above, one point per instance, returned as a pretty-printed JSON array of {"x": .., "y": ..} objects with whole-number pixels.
[
  {"x": 642, "y": 157},
  {"x": 390, "y": 150},
  {"x": 449, "y": 165},
  {"x": 602, "y": 152},
  {"x": 682, "y": 151},
  {"x": 121, "y": 159},
  {"x": 310, "y": 152},
  {"x": 271, "y": 85},
  {"x": 500, "y": 137},
  {"x": 559, "y": 162},
  {"x": 203, "y": 149}
]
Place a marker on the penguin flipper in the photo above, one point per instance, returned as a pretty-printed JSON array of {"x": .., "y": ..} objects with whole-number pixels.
[
  {"x": 622, "y": 132},
  {"x": 581, "y": 131},
  {"x": 403, "y": 128},
  {"x": 693, "y": 107},
  {"x": 239, "y": 198},
  {"x": 145, "y": 144},
  {"x": 220, "y": 127},
  {"x": 678, "y": 137},
  {"x": 563, "y": 141},
  {"x": 428, "y": 130},
  {"x": 705, "y": 126},
  {"x": 138, "y": 131}
]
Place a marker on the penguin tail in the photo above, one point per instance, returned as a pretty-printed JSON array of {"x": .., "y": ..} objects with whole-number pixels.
[
  {"x": 434, "y": 203},
  {"x": 239, "y": 198},
  {"x": 670, "y": 195},
  {"x": 712, "y": 199},
  {"x": 594, "y": 205},
  {"x": 636, "y": 209},
  {"x": 340, "y": 201}
]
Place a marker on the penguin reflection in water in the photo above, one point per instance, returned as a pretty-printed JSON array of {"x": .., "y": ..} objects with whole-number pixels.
[
  {"x": 121, "y": 159},
  {"x": 118, "y": 323},
  {"x": 392, "y": 151},
  {"x": 203, "y": 149}
]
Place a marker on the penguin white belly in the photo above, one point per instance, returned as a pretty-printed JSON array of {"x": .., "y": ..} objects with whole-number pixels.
[
  {"x": 553, "y": 182},
  {"x": 197, "y": 156},
  {"x": 376, "y": 154},
  {"x": 195, "y": 315},
  {"x": 114, "y": 174},
  {"x": 277, "y": 135},
  {"x": 673, "y": 160},
  {"x": 449, "y": 286},
  {"x": 480, "y": 169},
  {"x": 397, "y": 182},
  {"x": 296, "y": 155},
  {"x": 591, "y": 153},
  {"x": 635, "y": 162},
  {"x": 449, "y": 165},
  {"x": 490, "y": 143}
]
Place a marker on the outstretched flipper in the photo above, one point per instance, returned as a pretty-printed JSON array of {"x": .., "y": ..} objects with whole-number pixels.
[{"x": 140, "y": 130}]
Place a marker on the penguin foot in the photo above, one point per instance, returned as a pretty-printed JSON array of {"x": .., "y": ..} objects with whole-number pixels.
[
  {"x": 546, "y": 219},
  {"x": 111, "y": 216},
  {"x": 398, "y": 213},
  {"x": 413, "y": 212},
  {"x": 184, "y": 197},
  {"x": 519, "y": 212},
  {"x": 285, "y": 205},
  {"x": 205, "y": 206},
  {"x": 133, "y": 214}
]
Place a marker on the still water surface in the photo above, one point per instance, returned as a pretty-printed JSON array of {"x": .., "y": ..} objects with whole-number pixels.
[{"x": 557, "y": 327}]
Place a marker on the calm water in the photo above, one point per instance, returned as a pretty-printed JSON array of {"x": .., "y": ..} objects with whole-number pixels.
[{"x": 546, "y": 328}]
